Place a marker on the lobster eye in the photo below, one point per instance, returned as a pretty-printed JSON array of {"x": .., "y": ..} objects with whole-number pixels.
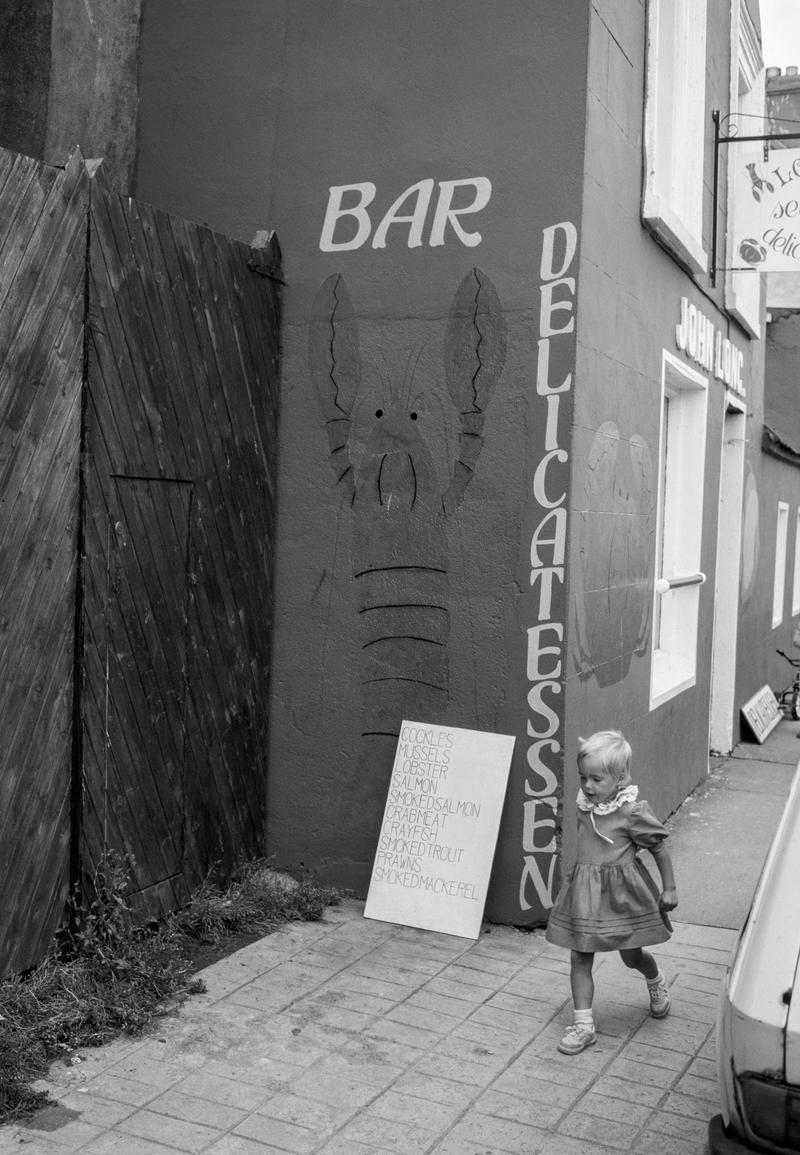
[
  {"x": 379, "y": 413},
  {"x": 413, "y": 417}
]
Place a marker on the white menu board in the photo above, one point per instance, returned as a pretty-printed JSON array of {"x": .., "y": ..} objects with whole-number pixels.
[{"x": 439, "y": 828}]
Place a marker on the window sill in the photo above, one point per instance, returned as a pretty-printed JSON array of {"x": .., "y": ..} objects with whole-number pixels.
[
  {"x": 669, "y": 680},
  {"x": 659, "y": 218}
]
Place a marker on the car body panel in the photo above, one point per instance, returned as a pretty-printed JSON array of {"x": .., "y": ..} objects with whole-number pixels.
[
  {"x": 792, "y": 1045},
  {"x": 758, "y": 1024}
]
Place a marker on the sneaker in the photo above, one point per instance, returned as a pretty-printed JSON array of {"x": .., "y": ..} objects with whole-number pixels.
[
  {"x": 576, "y": 1039},
  {"x": 659, "y": 998}
]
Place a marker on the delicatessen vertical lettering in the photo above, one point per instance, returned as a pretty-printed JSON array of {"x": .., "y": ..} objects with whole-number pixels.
[{"x": 545, "y": 600}]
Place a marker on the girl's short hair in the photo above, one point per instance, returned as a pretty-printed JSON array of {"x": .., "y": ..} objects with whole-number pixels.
[{"x": 611, "y": 748}]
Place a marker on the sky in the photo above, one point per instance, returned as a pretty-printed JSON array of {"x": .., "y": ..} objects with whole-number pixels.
[{"x": 780, "y": 32}]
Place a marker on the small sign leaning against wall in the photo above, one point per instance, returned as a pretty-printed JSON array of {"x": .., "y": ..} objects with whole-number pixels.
[
  {"x": 762, "y": 713},
  {"x": 439, "y": 828}
]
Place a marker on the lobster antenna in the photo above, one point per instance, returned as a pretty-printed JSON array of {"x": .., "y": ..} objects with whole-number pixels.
[
  {"x": 444, "y": 427},
  {"x": 411, "y": 370},
  {"x": 385, "y": 376}
]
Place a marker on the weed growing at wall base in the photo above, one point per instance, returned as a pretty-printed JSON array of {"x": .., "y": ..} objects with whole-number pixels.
[
  {"x": 257, "y": 901},
  {"x": 114, "y": 977}
]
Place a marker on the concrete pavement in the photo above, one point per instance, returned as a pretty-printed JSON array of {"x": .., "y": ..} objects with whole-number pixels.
[
  {"x": 721, "y": 833},
  {"x": 355, "y": 1037}
]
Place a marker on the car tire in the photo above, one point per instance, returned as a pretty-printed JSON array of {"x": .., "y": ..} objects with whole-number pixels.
[{"x": 720, "y": 1144}]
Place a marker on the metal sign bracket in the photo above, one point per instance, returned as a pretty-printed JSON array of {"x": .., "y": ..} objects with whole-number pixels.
[{"x": 733, "y": 137}]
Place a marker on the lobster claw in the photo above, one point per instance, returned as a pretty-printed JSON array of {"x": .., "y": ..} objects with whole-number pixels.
[
  {"x": 474, "y": 356},
  {"x": 335, "y": 365}
]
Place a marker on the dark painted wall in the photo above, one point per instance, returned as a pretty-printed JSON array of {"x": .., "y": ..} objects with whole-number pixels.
[
  {"x": 24, "y": 75},
  {"x": 68, "y": 78},
  {"x": 93, "y": 84},
  {"x": 211, "y": 80},
  {"x": 273, "y": 110},
  {"x": 437, "y": 330}
]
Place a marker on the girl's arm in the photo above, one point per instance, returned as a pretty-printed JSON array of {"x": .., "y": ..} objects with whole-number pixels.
[{"x": 669, "y": 894}]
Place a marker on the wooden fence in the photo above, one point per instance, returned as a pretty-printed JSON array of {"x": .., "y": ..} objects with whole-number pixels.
[
  {"x": 135, "y": 683},
  {"x": 43, "y": 226}
]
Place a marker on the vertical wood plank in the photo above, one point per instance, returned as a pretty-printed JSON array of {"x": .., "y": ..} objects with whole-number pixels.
[{"x": 42, "y": 265}]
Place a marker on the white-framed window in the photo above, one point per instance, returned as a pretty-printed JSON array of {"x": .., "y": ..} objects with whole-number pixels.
[
  {"x": 748, "y": 107},
  {"x": 679, "y": 536},
  {"x": 676, "y": 127},
  {"x": 779, "y": 578},
  {"x": 796, "y": 581}
]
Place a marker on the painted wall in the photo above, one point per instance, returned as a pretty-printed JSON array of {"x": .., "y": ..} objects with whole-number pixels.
[
  {"x": 68, "y": 78},
  {"x": 418, "y": 162},
  {"x": 773, "y": 475},
  {"x": 93, "y": 84},
  {"x": 629, "y": 306},
  {"x": 211, "y": 77},
  {"x": 24, "y": 75},
  {"x": 353, "y": 134},
  {"x": 781, "y": 413}
]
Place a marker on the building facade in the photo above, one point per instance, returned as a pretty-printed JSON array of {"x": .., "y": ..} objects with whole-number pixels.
[
  {"x": 770, "y": 614},
  {"x": 520, "y": 385}
]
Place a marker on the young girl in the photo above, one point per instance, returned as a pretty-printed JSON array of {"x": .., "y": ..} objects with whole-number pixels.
[{"x": 609, "y": 901}]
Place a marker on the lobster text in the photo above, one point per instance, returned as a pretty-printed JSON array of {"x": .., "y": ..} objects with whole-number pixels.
[
  {"x": 545, "y": 635},
  {"x": 348, "y": 225}
]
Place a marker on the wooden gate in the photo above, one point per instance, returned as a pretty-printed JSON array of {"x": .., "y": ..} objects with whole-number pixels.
[
  {"x": 137, "y": 437},
  {"x": 43, "y": 216},
  {"x": 181, "y": 440}
]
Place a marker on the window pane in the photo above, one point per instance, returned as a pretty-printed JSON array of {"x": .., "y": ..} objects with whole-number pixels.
[
  {"x": 779, "y": 583},
  {"x": 679, "y": 529},
  {"x": 675, "y": 127}
]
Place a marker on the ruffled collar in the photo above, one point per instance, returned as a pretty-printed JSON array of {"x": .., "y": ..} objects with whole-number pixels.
[{"x": 626, "y": 794}]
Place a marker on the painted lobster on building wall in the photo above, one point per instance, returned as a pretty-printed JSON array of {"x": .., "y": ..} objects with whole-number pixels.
[
  {"x": 399, "y": 544},
  {"x": 615, "y": 532}
]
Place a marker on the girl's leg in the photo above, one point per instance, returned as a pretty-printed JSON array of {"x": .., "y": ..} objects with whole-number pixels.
[
  {"x": 581, "y": 1034},
  {"x": 657, "y": 986},
  {"x": 580, "y": 979},
  {"x": 641, "y": 961}
]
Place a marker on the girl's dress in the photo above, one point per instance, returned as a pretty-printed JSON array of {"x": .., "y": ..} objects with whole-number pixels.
[{"x": 609, "y": 901}]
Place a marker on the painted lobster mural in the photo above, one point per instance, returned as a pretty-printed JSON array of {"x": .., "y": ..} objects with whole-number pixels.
[
  {"x": 615, "y": 535},
  {"x": 399, "y": 544}
]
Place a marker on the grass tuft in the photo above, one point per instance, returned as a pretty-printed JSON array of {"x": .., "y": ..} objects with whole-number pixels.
[
  {"x": 258, "y": 900},
  {"x": 114, "y": 977}
]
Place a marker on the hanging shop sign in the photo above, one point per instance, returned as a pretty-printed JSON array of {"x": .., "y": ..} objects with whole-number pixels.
[
  {"x": 698, "y": 337},
  {"x": 766, "y": 211}
]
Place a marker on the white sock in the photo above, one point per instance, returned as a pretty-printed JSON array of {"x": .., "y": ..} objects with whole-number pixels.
[
  {"x": 585, "y": 1019},
  {"x": 658, "y": 979}
]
